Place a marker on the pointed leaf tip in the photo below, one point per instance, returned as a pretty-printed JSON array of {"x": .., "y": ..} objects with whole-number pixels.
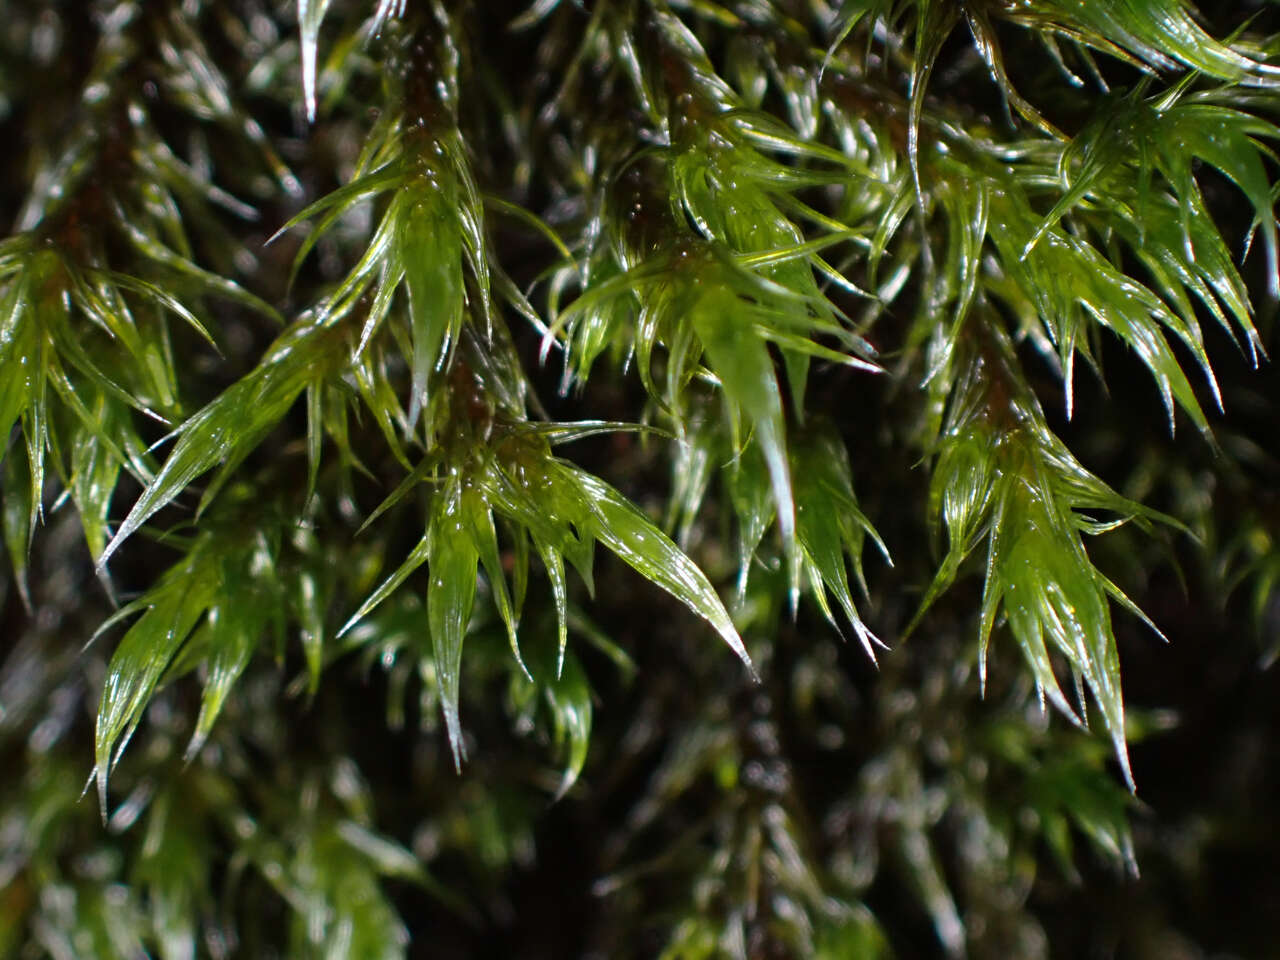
[
  {"x": 310, "y": 16},
  {"x": 621, "y": 527},
  {"x": 453, "y": 563}
]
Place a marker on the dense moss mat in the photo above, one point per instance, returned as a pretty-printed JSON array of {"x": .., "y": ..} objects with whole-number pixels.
[{"x": 639, "y": 479}]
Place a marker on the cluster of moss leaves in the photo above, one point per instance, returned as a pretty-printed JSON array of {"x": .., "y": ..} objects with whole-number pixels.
[{"x": 334, "y": 335}]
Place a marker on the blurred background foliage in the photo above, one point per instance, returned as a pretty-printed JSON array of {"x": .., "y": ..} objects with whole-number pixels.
[{"x": 335, "y": 335}]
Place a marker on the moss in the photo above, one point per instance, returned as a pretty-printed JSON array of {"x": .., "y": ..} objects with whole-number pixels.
[{"x": 334, "y": 338}]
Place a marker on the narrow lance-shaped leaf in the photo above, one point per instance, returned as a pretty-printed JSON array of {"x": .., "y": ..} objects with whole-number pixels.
[
  {"x": 452, "y": 567},
  {"x": 829, "y": 523},
  {"x": 15, "y": 512},
  {"x": 308, "y": 607},
  {"x": 142, "y": 657},
  {"x": 569, "y": 698},
  {"x": 935, "y": 19},
  {"x": 230, "y": 426},
  {"x": 749, "y": 492},
  {"x": 17, "y": 345},
  {"x": 553, "y": 563},
  {"x": 432, "y": 252},
  {"x": 35, "y": 421},
  {"x": 417, "y": 557},
  {"x": 620, "y": 526},
  {"x": 692, "y": 469},
  {"x": 742, "y": 362},
  {"x": 200, "y": 277},
  {"x": 93, "y": 481},
  {"x": 230, "y": 636},
  {"x": 480, "y": 528},
  {"x": 315, "y": 434},
  {"x": 519, "y": 569},
  {"x": 310, "y": 16}
]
